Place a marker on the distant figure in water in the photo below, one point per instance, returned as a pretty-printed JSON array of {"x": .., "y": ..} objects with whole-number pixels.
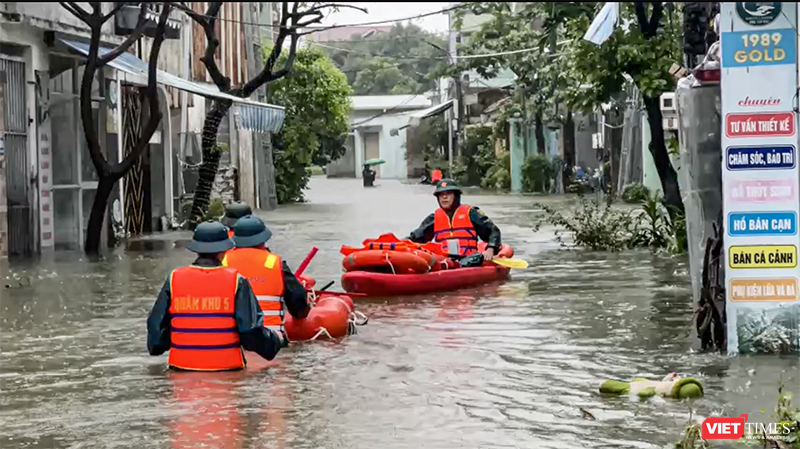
[
  {"x": 457, "y": 227},
  {"x": 206, "y": 313}
]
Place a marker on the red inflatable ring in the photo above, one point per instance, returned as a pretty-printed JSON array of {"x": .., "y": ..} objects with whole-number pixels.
[{"x": 396, "y": 262}]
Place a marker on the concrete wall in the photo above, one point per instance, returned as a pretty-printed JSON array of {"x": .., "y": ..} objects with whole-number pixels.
[
  {"x": 51, "y": 16},
  {"x": 391, "y": 148},
  {"x": 345, "y": 166}
]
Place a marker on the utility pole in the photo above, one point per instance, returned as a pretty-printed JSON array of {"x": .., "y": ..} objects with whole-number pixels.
[
  {"x": 3, "y": 196},
  {"x": 260, "y": 12}
]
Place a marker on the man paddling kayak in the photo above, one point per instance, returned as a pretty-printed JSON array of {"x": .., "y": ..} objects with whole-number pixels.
[{"x": 457, "y": 227}]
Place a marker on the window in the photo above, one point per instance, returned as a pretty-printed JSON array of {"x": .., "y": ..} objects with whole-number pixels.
[{"x": 74, "y": 176}]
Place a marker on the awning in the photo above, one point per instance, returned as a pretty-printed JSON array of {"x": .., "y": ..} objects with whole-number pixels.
[
  {"x": 415, "y": 117},
  {"x": 252, "y": 115},
  {"x": 431, "y": 111}
]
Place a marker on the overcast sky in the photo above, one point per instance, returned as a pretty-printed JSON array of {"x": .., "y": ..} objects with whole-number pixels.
[{"x": 392, "y": 11}]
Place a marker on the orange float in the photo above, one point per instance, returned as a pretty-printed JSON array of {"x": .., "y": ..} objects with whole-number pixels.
[
  {"x": 396, "y": 262},
  {"x": 331, "y": 316}
]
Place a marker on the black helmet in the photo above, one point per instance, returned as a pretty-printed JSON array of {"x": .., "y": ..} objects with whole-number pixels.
[
  {"x": 235, "y": 211},
  {"x": 250, "y": 231},
  {"x": 446, "y": 185},
  {"x": 210, "y": 237}
]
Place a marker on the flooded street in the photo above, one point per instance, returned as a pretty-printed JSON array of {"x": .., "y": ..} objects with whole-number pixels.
[{"x": 503, "y": 366}]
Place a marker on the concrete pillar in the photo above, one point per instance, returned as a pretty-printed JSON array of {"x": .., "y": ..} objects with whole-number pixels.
[
  {"x": 517, "y": 150},
  {"x": 3, "y": 197}
]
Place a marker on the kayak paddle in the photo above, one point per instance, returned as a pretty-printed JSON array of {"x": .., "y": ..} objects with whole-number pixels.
[{"x": 510, "y": 263}]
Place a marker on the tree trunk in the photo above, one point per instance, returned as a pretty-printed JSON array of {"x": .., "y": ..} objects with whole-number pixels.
[
  {"x": 569, "y": 149},
  {"x": 94, "y": 228},
  {"x": 658, "y": 148},
  {"x": 540, "y": 143},
  {"x": 211, "y": 157}
]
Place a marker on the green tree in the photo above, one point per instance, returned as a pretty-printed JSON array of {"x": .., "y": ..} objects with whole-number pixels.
[
  {"x": 581, "y": 75},
  {"x": 539, "y": 73},
  {"x": 316, "y": 96},
  {"x": 643, "y": 49},
  {"x": 401, "y": 61}
]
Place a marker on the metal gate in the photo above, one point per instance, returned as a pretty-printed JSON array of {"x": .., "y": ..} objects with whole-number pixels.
[{"x": 20, "y": 229}]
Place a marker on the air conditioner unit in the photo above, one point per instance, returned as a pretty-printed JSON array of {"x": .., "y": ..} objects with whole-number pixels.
[{"x": 670, "y": 123}]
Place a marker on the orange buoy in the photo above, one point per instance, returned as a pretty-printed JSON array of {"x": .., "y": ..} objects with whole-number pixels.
[
  {"x": 331, "y": 313},
  {"x": 397, "y": 262}
]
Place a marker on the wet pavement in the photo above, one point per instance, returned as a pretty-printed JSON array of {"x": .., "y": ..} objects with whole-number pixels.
[{"x": 515, "y": 365}]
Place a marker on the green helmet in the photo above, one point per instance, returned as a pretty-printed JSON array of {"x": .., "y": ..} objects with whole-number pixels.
[
  {"x": 210, "y": 237},
  {"x": 235, "y": 211},
  {"x": 446, "y": 185},
  {"x": 250, "y": 231}
]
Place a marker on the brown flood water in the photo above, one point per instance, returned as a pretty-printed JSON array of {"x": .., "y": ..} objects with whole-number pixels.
[{"x": 501, "y": 366}]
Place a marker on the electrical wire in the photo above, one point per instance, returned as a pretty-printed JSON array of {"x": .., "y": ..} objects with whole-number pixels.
[
  {"x": 387, "y": 111},
  {"x": 345, "y": 25}
]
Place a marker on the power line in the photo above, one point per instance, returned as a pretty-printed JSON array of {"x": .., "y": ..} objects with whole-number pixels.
[
  {"x": 407, "y": 100},
  {"x": 396, "y": 38},
  {"x": 445, "y": 58},
  {"x": 346, "y": 25}
]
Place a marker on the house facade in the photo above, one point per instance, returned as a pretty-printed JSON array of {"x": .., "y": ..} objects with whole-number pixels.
[{"x": 48, "y": 176}]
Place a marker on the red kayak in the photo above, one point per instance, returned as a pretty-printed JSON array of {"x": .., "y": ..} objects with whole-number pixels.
[{"x": 382, "y": 284}]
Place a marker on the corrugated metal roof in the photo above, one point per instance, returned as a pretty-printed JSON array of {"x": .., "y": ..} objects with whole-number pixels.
[
  {"x": 393, "y": 102},
  {"x": 253, "y": 116}
]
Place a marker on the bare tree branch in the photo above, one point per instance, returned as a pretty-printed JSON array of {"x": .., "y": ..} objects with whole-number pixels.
[
  {"x": 287, "y": 66},
  {"x": 76, "y": 11},
  {"x": 197, "y": 17},
  {"x": 152, "y": 99},
  {"x": 89, "y": 126},
  {"x": 208, "y": 22},
  {"x": 133, "y": 37},
  {"x": 265, "y": 74},
  {"x": 318, "y": 16},
  {"x": 337, "y": 6}
]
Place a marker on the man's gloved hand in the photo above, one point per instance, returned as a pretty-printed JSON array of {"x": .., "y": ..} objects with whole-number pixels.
[
  {"x": 284, "y": 339},
  {"x": 474, "y": 260}
]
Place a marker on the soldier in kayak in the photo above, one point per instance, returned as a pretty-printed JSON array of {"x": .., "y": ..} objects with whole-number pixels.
[
  {"x": 457, "y": 227},
  {"x": 206, "y": 313}
]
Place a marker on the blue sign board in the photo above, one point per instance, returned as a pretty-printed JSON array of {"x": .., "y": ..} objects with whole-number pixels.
[
  {"x": 762, "y": 223},
  {"x": 757, "y": 48},
  {"x": 771, "y": 157}
]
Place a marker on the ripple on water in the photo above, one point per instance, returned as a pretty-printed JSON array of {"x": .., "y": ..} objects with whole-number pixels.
[{"x": 514, "y": 365}]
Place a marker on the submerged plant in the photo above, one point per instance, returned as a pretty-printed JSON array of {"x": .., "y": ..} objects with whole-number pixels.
[{"x": 595, "y": 225}]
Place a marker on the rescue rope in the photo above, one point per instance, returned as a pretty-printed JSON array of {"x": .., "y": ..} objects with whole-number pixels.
[
  {"x": 354, "y": 319},
  {"x": 389, "y": 262},
  {"x": 321, "y": 331}
]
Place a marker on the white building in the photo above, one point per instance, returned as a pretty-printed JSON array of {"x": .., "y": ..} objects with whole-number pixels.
[{"x": 378, "y": 126}]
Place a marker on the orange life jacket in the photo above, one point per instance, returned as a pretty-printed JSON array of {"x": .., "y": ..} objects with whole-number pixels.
[
  {"x": 230, "y": 233},
  {"x": 203, "y": 324},
  {"x": 264, "y": 271},
  {"x": 457, "y": 238}
]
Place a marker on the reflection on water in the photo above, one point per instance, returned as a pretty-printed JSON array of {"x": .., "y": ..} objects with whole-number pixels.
[{"x": 505, "y": 365}]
